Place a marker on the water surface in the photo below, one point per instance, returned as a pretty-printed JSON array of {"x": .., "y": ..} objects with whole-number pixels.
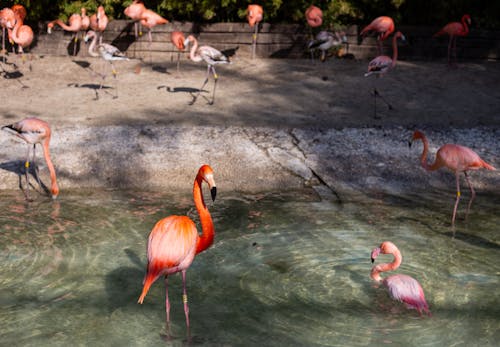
[{"x": 285, "y": 269}]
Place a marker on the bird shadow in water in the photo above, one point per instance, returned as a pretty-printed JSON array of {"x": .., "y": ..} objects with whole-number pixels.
[
  {"x": 473, "y": 240},
  {"x": 18, "y": 167}
]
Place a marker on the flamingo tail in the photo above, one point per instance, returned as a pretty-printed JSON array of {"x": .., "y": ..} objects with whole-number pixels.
[
  {"x": 148, "y": 281},
  {"x": 486, "y": 165}
]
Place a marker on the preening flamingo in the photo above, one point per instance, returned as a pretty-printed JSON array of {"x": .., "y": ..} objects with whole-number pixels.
[
  {"x": 209, "y": 55},
  {"x": 75, "y": 25},
  {"x": 325, "y": 40},
  {"x": 454, "y": 30},
  {"x": 314, "y": 16},
  {"x": 178, "y": 39},
  {"x": 33, "y": 131},
  {"x": 108, "y": 52},
  {"x": 401, "y": 287},
  {"x": 99, "y": 22},
  {"x": 7, "y": 21},
  {"x": 174, "y": 242},
  {"x": 382, "y": 25},
  {"x": 254, "y": 17},
  {"x": 21, "y": 34},
  {"x": 456, "y": 158}
]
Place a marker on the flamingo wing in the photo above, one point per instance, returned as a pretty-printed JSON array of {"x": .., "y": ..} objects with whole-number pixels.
[
  {"x": 379, "y": 65},
  {"x": 212, "y": 56},
  {"x": 406, "y": 289},
  {"x": 110, "y": 52}
]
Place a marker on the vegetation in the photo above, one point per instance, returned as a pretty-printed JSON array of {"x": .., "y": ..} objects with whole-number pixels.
[{"x": 484, "y": 13}]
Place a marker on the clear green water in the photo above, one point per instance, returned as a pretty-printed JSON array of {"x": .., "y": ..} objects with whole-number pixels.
[{"x": 285, "y": 270}]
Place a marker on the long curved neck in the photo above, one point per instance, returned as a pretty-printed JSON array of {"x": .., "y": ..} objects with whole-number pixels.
[
  {"x": 376, "y": 270},
  {"x": 192, "y": 52},
  {"x": 92, "y": 51},
  {"x": 53, "y": 180},
  {"x": 19, "y": 23},
  {"x": 75, "y": 26},
  {"x": 394, "y": 50},
  {"x": 465, "y": 26},
  {"x": 423, "y": 159},
  {"x": 207, "y": 226}
]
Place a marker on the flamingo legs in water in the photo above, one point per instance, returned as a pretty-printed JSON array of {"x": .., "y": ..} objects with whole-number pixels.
[
  {"x": 27, "y": 165},
  {"x": 216, "y": 77},
  {"x": 184, "y": 300},
  {"x": 473, "y": 195}
]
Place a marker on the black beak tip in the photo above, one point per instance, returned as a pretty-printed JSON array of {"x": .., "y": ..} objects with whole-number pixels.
[
  {"x": 213, "y": 193},
  {"x": 373, "y": 260}
]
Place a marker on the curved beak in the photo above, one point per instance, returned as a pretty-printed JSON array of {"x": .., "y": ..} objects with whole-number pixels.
[
  {"x": 213, "y": 192},
  {"x": 186, "y": 42}
]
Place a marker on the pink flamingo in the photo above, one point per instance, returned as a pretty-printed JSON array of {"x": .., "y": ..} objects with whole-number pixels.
[
  {"x": 85, "y": 19},
  {"x": 382, "y": 64},
  {"x": 21, "y": 34},
  {"x": 33, "y": 131},
  {"x": 254, "y": 16},
  {"x": 7, "y": 21},
  {"x": 150, "y": 19},
  {"x": 456, "y": 158},
  {"x": 178, "y": 39},
  {"x": 314, "y": 16},
  {"x": 75, "y": 25},
  {"x": 401, "y": 287},
  {"x": 134, "y": 11},
  {"x": 383, "y": 25},
  {"x": 174, "y": 242},
  {"x": 211, "y": 56},
  {"x": 454, "y": 30},
  {"x": 99, "y": 22}
]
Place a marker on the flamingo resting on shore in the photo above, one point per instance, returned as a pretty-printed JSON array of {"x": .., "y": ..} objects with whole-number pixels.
[
  {"x": 174, "y": 242},
  {"x": 33, "y": 131},
  {"x": 254, "y": 17},
  {"x": 401, "y": 287},
  {"x": 75, "y": 25},
  {"x": 382, "y": 25},
  {"x": 209, "y": 55},
  {"x": 456, "y": 158},
  {"x": 454, "y": 30}
]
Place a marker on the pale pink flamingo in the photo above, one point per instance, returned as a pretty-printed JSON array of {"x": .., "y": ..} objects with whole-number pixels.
[
  {"x": 99, "y": 22},
  {"x": 21, "y": 34},
  {"x": 454, "y": 30},
  {"x": 178, "y": 39},
  {"x": 254, "y": 17},
  {"x": 314, "y": 16},
  {"x": 382, "y": 25},
  {"x": 383, "y": 64},
  {"x": 75, "y": 25},
  {"x": 401, "y": 287},
  {"x": 33, "y": 131},
  {"x": 150, "y": 19},
  {"x": 174, "y": 242},
  {"x": 85, "y": 19},
  {"x": 209, "y": 55},
  {"x": 7, "y": 21},
  {"x": 456, "y": 158}
]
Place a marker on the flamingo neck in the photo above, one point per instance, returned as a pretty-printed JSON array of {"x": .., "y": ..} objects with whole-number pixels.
[
  {"x": 378, "y": 269},
  {"x": 64, "y": 26},
  {"x": 53, "y": 180},
  {"x": 423, "y": 159},
  {"x": 92, "y": 51},
  {"x": 206, "y": 238},
  {"x": 465, "y": 26},
  {"x": 19, "y": 23},
  {"x": 192, "y": 52}
]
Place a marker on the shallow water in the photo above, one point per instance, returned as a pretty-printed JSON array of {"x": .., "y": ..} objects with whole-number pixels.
[{"x": 285, "y": 269}]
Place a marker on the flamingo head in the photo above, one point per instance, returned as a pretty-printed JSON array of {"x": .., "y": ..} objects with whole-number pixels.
[
  {"x": 375, "y": 254},
  {"x": 466, "y": 18},
  {"x": 189, "y": 39},
  {"x": 49, "y": 27},
  {"x": 54, "y": 191},
  {"x": 207, "y": 174},
  {"x": 89, "y": 35},
  {"x": 387, "y": 247},
  {"x": 399, "y": 35}
]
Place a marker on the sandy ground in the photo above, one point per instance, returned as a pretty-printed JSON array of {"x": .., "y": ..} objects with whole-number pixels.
[{"x": 275, "y": 124}]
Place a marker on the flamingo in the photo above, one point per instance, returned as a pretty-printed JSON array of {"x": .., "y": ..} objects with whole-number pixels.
[
  {"x": 254, "y": 16},
  {"x": 150, "y": 19},
  {"x": 21, "y": 34},
  {"x": 325, "y": 40},
  {"x": 7, "y": 21},
  {"x": 383, "y": 25},
  {"x": 211, "y": 56},
  {"x": 108, "y": 52},
  {"x": 99, "y": 22},
  {"x": 456, "y": 158},
  {"x": 33, "y": 131},
  {"x": 174, "y": 242},
  {"x": 454, "y": 30},
  {"x": 75, "y": 25},
  {"x": 19, "y": 11},
  {"x": 85, "y": 19},
  {"x": 134, "y": 11},
  {"x": 314, "y": 16},
  {"x": 178, "y": 39},
  {"x": 401, "y": 287}
]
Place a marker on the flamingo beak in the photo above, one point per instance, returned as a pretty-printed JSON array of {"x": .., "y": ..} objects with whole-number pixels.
[
  {"x": 186, "y": 42},
  {"x": 213, "y": 192},
  {"x": 375, "y": 253}
]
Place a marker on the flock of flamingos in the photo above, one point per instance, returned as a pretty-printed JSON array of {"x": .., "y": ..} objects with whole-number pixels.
[{"x": 174, "y": 241}]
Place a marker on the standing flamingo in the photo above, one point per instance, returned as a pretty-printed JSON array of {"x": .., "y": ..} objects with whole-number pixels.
[
  {"x": 401, "y": 287},
  {"x": 108, "y": 52},
  {"x": 254, "y": 17},
  {"x": 456, "y": 158},
  {"x": 454, "y": 30},
  {"x": 150, "y": 19},
  {"x": 383, "y": 64},
  {"x": 174, "y": 242},
  {"x": 85, "y": 19},
  {"x": 7, "y": 21},
  {"x": 314, "y": 16},
  {"x": 325, "y": 40},
  {"x": 75, "y": 25},
  {"x": 178, "y": 39},
  {"x": 33, "y": 131},
  {"x": 134, "y": 11},
  {"x": 383, "y": 25},
  {"x": 99, "y": 22},
  {"x": 211, "y": 56},
  {"x": 21, "y": 34}
]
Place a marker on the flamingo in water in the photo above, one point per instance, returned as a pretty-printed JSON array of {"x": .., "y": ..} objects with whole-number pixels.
[
  {"x": 33, "y": 131},
  {"x": 454, "y": 30},
  {"x": 178, "y": 39},
  {"x": 254, "y": 17},
  {"x": 174, "y": 242},
  {"x": 401, "y": 287},
  {"x": 75, "y": 25},
  {"x": 382, "y": 25},
  {"x": 456, "y": 158},
  {"x": 211, "y": 56}
]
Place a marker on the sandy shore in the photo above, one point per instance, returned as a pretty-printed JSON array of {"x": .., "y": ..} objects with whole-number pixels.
[{"x": 275, "y": 124}]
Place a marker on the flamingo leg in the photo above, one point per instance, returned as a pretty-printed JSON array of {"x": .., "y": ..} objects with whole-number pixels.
[
  {"x": 473, "y": 194},
  {"x": 254, "y": 39},
  {"x": 167, "y": 305},
  {"x": 457, "y": 200},
  {"x": 203, "y": 86},
  {"x": 113, "y": 71},
  {"x": 26, "y": 173},
  {"x": 37, "y": 176},
  {"x": 185, "y": 299},
  {"x": 178, "y": 61},
  {"x": 449, "y": 49},
  {"x": 216, "y": 77},
  {"x": 3, "y": 45},
  {"x": 75, "y": 40},
  {"x": 150, "y": 45}
]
